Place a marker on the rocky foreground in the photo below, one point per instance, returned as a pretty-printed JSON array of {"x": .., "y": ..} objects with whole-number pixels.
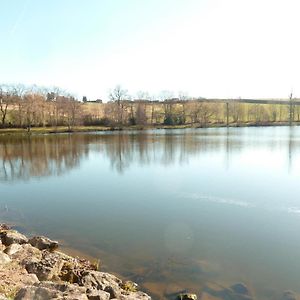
[{"x": 33, "y": 269}]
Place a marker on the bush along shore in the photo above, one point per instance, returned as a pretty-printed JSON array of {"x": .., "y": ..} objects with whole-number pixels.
[{"x": 34, "y": 269}]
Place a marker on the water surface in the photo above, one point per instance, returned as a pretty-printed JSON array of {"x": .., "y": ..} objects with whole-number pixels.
[{"x": 170, "y": 209}]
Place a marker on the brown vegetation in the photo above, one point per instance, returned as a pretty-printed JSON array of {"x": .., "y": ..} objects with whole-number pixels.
[{"x": 22, "y": 107}]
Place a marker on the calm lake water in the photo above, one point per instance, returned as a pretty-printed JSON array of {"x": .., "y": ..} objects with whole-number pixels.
[{"x": 169, "y": 209}]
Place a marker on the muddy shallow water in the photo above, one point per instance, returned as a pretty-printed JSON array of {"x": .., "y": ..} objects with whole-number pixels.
[{"x": 170, "y": 209}]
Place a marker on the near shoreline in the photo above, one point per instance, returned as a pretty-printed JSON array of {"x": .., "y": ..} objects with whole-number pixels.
[{"x": 33, "y": 269}]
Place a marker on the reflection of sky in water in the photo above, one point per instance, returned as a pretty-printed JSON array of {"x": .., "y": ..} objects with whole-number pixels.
[{"x": 206, "y": 204}]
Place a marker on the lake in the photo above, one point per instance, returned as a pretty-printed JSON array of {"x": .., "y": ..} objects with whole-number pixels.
[{"x": 169, "y": 209}]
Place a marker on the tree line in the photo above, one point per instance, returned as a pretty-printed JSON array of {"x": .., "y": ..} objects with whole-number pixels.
[{"x": 27, "y": 107}]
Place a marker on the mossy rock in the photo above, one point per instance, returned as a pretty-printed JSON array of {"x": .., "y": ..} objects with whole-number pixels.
[
  {"x": 129, "y": 286},
  {"x": 68, "y": 273}
]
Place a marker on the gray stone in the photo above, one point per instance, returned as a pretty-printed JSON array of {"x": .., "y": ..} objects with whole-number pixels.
[
  {"x": 95, "y": 280},
  {"x": 4, "y": 259},
  {"x": 240, "y": 288},
  {"x": 42, "y": 243},
  {"x": 13, "y": 237},
  {"x": 134, "y": 296},
  {"x": 30, "y": 279},
  {"x": 26, "y": 253},
  {"x": 4, "y": 227},
  {"x": 217, "y": 291},
  {"x": 100, "y": 281},
  {"x": 47, "y": 268},
  {"x": 35, "y": 293},
  {"x": 2, "y": 247},
  {"x": 98, "y": 295},
  {"x": 12, "y": 249},
  {"x": 50, "y": 290}
]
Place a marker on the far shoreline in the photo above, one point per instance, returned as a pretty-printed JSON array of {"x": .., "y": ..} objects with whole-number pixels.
[{"x": 84, "y": 129}]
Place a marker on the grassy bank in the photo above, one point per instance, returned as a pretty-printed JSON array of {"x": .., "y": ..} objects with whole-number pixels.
[
  {"x": 65, "y": 129},
  {"x": 48, "y": 130}
]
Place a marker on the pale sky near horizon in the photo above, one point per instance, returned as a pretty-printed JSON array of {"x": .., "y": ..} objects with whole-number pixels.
[{"x": 208, "y": 48}]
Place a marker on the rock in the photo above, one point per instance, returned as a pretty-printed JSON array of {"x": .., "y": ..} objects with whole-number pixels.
[
  {"x": 73, "y": 268},
  {"x": 101, "y": 281},
  {"x": 237, "y": 291},
  {"x": 50, "y": 290},
  {"x": 33, "y": 292},
  {"x": 57, "y": 265},
  {"x": 134, "y": 296},
  {"x": 48, "y": 267},
  {"x": 2, "y": 247},
  {"x": 4, "y": 227},
  {"x": 98, "y": 295},
  {"x": 26, "y": 253},
  {"x": 187, "y": 296},
  {"x": 95, "y": 280},
  {"x": 240, "y": 288},
  {"x": 4, "y": 259},
  {"x": 289, "y": 295},
  {"x": 13, "y": 237},
  {"x": 13, "y": 276},
  {"x": 12, "y": 249},
  {"x": 42, "y": 243},
  {"x": 30, "y": 279},
  {"x": 35, "y": 263}
]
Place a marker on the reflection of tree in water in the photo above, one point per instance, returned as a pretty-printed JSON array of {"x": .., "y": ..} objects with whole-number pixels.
[
  {"x": 124, "y": 149},
  {"x": 119, "y": 148},
  {"x": 23, "y": 158},
  {"x": 291, "y": 145},
  {"x": 36, "y": 156}
]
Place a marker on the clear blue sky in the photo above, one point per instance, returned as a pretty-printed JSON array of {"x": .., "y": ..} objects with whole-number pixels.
[{"x": 209, "y": 48}]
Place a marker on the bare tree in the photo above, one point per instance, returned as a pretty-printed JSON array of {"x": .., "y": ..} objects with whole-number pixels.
[
  {"x": 202, "y": 112},
  {"x": 140, "y": 115},
  {"x": 118, "y": 95},
  {"x": 183, "y": 96},
  {"x": 29, "y": 109},
  {"x": 5, "y": 100},
  {"x": 73, "y": 111},
  {"x": 68, "y": 110},
  {"x": 19, "y": 92},
  {"x": 236, "y": 111}
]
